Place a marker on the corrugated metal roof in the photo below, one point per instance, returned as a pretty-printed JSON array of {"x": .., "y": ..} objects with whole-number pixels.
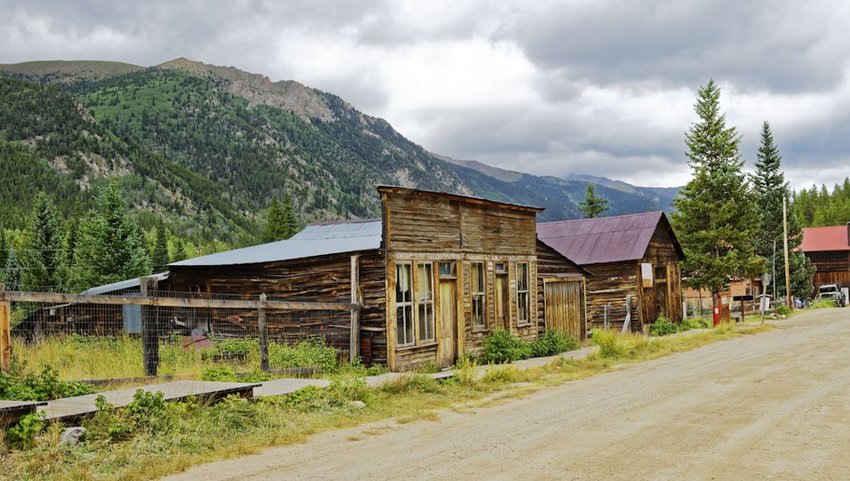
[
  {"x": 314, "y": 240},
  {"x": 829, "y": 238},
  {"x": 120, "y": 285},
  {"x": 604, "y": 239}
]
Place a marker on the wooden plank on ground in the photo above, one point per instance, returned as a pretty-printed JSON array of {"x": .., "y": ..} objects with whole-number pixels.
[
  {"x": 67, "y": 409},
  {"x": 12, "y": 411}
]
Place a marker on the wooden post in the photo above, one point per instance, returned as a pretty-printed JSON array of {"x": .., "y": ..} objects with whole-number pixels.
[
  {"x": 264, "y": 334},
  {"x": 354, "y": 337},
  {"x": 150, "y": 333},
  {"x": 627, "y": 322},
  {"x": 5, "y": 333},
  {"x": 785, "y": 242},
  {"x": 607, "y": 318}
]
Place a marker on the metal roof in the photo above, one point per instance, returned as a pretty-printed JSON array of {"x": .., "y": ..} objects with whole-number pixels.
[
  {"x": 315, "y": 240},
  {"x": 829, "y": 238},
  {"x": 604, "y": 239},
  {"x": 120, "y": 285}
]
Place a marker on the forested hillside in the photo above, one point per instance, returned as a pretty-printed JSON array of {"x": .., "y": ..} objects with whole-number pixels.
[{"x": 818, "y": 206}]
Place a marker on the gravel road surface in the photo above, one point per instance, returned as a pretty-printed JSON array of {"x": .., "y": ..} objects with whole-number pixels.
[{"x": 773, "y": 406}]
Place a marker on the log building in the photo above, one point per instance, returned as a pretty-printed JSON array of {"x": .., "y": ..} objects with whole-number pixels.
[
  {"x": 634, "y": 260},
  {"x": 828, "y": 248},
  {"x": 434, "y": 277}
]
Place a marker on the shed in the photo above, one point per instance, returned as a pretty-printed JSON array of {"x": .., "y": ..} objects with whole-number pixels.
[
  {"x": 634, "y": 260},
  {"x": 828, "y": 248},
  {"x": 435, "y": 275}
]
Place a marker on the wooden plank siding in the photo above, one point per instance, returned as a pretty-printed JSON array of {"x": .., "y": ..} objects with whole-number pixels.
[
  {"x": 609, "y": 285},
  {"x": 422, "y": 227},
  {"x": 552, "y": 266},
  {"x": 319, "y": 279},
  {"x": 833, "y": 267}
]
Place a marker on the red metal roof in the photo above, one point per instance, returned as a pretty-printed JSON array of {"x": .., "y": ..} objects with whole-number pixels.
[
  {"x": 830, "y": 238},
  {"x": 604, "y": 239}
]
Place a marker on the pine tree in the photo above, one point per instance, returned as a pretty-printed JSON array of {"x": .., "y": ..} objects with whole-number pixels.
[
  {"x": 160, "y": 250},
  {"x": 275, "y": 228},
  {"x": 11, "y": 275},
  {"x": 178, "y": 250},
  {"x": 290, "y": 223},
  {"x": 4, "y": 250},
  {"x": 111, "y": 246},
  {"x": 714, "y": 215},
  {"x": 592, "y": 205},
  {"x": 41, "y": 258}
]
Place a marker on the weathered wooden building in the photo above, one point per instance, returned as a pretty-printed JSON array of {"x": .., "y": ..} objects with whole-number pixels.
[
  {"x": 634, "y": 261},
  {"x": 828, "y": 248},
  {"x": 434, "y": 276}
]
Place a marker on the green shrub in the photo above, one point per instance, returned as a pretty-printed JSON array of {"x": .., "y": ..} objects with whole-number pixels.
[
  {"x": 228, "y": 374},
  {"x": 22, "y": 435},
  {"x": 783, "y": 310},
  {"x": 43, "y": 386},
  {"x": 608, "y": 342},
  {"x": 312, "y": 352},
  {"x": 693, "y": 323},
  {"x": 342, "y": 391},
  {"x": 501, "y": 346},
  {"x": 663, "y": 327},
  {"x": 553, "y": 342},
  {"x": 823, "y": 303}
]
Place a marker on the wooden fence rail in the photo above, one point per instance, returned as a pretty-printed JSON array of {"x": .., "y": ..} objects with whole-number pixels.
[{"x": 149, "y": 333}]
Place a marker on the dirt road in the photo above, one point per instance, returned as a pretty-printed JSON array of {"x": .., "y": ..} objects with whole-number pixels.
[{"x": 775, "y": 406}]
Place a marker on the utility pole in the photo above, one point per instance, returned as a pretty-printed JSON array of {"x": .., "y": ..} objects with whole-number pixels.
[
  {"x": 774, "y": 272},
  {"x": 785, "y": 242}
]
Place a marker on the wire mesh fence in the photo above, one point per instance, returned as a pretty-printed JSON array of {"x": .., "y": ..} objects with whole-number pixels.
[{"x": 167, "y": 328}]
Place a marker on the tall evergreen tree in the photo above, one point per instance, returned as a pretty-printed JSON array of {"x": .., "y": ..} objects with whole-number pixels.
[
  {"x": 592, "y": 205},
  {"x": 178, "y": 250},
  {"x": 770, "y": 189},
  {"x": 160, "y": 251},
  {"x": 111, "y": 246},
  {"x": 41, "y": 258},
  {"x": 290, "y": 223},
  {"x": 4, "y": 249},
  {"x": 275, "y": 227},
  {"x": 11, "y": 275},
  {"x": 714, "y": 216}
]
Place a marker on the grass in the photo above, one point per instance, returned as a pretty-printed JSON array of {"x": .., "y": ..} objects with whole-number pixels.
[
  {"x": 190, "y": 433},
  {"x": 78, "y": 357}
]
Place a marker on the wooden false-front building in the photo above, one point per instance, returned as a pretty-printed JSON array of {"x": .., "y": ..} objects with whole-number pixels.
[
  {"x": 434, "y": 277},
  {"x": 828, "y": 248},
  {"x": 634, "y": 261}
]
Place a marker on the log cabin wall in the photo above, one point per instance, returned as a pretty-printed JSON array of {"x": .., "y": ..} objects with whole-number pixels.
[
  {"x": 609, "y": 285},
  {"x": 551, "y": 265},
  {"x": 665, "y": 297},
  {"x": 430, "y": 228},
  {"x": 319, "y": 279},
  {"x": 833, "y": 267}
]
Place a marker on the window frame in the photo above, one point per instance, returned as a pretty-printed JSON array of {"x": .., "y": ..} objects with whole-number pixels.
[
  {"x": 480, "y": 296},
  {"x": 523, "y": 308},
  {"x": 428, "y": 304},
  {"x": 401, "y": 305}
]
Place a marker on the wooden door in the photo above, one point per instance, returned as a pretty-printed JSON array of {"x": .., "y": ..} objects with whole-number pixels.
[
  {"x": 563, "y": 307},
  {"x": 501, "y": 302},
  {"x": 446, "y": 348}
]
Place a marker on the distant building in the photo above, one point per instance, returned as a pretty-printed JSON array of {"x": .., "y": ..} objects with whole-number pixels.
[{"x": 828, "y": 248}]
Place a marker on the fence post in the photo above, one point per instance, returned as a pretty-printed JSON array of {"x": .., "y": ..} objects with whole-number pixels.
[
  {"x": 354, "y": 337},
  {"x": 5, "y": 333},
  {"x": 607, "y": 318},
  {"x": 150, "y": 333},
  {"x": 264, "y": 333}
]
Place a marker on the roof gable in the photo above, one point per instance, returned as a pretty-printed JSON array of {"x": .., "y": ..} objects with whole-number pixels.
[
  {"x": 829, "y": 238},
  {"x": 605, "y": 239}
]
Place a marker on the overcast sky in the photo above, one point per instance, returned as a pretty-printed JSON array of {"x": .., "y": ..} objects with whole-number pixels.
[{"x": 592, "y": 87}]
